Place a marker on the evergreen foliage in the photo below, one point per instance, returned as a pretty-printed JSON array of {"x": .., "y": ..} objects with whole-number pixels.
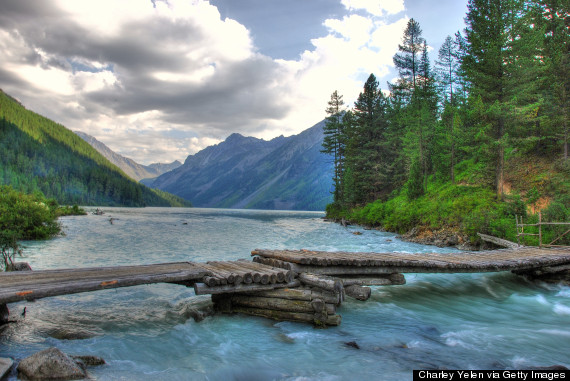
[
  {"x": 41, "y": 155},
  {"x": 447, "y": 146}
]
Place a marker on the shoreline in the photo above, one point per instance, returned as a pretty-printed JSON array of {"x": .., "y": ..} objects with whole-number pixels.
[{"x": 441, "y": 238}]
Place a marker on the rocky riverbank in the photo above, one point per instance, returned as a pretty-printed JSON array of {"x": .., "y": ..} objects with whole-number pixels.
[{"x": 445, "y": 237}]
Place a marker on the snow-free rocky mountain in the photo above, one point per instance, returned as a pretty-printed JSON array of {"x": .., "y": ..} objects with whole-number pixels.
[
  {"x": 131, "y": 168},
  {"x": 288, "y": 173}
]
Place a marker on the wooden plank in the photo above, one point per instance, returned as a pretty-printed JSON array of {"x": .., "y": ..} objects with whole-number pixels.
[
  {"x": 42, "y": 290},
  {"x": 377, "y": 263}
]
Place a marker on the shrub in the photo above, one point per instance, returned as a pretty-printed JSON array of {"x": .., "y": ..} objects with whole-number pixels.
[{"x": 24, "y": 217}]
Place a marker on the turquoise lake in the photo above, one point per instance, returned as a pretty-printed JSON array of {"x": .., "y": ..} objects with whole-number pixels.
[{"x": 434, "y": 321}]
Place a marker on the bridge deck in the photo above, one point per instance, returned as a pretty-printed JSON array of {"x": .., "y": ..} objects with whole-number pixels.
[
  {"x": 30, "y": 285},
  {"x": 478, "y": 261},
  {"x": 236, "y": 276}
]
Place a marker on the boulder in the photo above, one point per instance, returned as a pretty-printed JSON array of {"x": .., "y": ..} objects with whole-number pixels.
[
  {"x": 51, "y": 364},
  {"x": 5, "y": 365}
]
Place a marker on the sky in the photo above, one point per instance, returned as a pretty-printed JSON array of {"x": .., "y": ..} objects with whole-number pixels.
[{"x": 158, "y": 80}]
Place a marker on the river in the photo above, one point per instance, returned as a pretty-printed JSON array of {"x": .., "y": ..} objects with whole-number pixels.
[{"x": 435, "y": 321}]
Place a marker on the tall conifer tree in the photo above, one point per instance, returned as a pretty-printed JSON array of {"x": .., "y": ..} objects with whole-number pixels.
[{"x": 334, "y": 140}]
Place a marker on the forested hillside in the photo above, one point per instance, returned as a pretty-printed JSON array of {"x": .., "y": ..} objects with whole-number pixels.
[
  {"x": 469, "y": 143},
  {"x": 41, "y": 155},
  {"x": 131, "y": 168}
]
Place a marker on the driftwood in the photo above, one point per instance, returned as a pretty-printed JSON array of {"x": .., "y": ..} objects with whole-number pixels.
[{"x": 358, "y": 292}]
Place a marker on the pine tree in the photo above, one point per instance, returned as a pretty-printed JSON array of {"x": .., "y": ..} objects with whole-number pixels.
[
  {"x": 554, "y": 21},
  {"x": 487, "y": 65},
  {"x": 335, "y": 140},
  {"x": 407, "y": 61},
  {"x": 366, "y": 150},
  {"x": 447, "y": 67}
]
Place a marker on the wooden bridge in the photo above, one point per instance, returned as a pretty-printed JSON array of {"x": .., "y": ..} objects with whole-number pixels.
[{"x": 297, "y": 285}]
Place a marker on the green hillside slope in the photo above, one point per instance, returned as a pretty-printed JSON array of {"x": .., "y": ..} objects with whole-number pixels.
[{"x": 41, "y": 155}]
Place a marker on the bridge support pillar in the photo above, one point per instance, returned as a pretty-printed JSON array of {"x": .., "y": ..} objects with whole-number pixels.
[{"x": 4, "y": 314}]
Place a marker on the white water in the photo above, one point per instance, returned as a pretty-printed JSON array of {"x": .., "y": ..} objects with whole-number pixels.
[{"x": 473, "y": 321}]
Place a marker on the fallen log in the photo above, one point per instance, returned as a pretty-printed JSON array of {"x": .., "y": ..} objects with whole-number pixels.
[{"x": 499, "y": 241}]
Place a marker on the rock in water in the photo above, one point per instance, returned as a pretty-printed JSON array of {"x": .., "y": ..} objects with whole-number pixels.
[
  {"x": 89, "y": 360},
  {"x": 5, "y": 365},
  {"x": 352, "y": 344},
  {"x": 51, "y": 364}
]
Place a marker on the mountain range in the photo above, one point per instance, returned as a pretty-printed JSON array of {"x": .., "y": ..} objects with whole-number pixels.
[
  {"x": 131, "y": 168},
  {"x": 288, "y": 173}
]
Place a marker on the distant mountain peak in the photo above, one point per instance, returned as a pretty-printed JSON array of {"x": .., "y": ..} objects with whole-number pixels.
[
  {"x": 131, "y": 168},
  {"x": 247, "y": 172}
]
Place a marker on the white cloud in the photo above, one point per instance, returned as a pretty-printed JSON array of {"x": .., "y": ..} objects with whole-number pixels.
[
  {"x": 156, "y": 83},
  {"x": 376, "y": 7}
]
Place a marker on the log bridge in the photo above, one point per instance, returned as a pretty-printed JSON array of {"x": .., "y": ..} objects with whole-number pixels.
[{"x": 296, "y": 285}]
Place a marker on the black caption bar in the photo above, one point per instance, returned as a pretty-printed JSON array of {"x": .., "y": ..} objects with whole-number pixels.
[{"x": 525, "y": 375}]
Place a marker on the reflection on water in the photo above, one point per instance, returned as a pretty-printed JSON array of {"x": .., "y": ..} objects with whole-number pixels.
[{"x": 478, "y": 321}]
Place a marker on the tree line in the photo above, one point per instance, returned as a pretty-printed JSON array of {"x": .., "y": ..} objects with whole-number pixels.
[{"x": 498, "y": 89}]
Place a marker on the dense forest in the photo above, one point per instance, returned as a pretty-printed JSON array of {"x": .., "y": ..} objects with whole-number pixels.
[
  {"x": 469, "y": 142},
  {"x": 41, "y": 155}
]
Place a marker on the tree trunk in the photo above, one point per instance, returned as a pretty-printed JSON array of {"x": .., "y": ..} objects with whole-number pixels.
[{"x": 500, "y": 181}]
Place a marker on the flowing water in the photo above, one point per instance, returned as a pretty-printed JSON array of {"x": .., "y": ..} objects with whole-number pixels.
[{"x": 435, "y": 321}]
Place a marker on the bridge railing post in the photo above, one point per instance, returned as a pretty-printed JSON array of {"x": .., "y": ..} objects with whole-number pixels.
[{"x": 539, "y": 229}]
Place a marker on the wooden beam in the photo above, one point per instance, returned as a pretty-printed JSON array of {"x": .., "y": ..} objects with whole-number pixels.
[
  {"x": 499, "y": 241},
  {"x": 203, "y": 289}
]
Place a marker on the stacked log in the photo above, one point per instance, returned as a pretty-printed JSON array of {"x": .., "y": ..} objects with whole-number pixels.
[
  {"x": 301, "y": 304},
  {"x": 269, "y": 288},
  {"x": 238, "y": 272},
  {"x": 548, "y": 274}
]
